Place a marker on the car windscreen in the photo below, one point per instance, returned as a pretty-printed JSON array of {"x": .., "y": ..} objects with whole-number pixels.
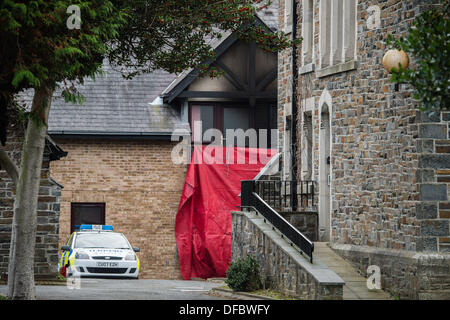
[{"x": 101, "y": 240}]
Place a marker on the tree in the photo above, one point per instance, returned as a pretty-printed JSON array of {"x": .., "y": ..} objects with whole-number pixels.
[
  {"x": 428, "y": 43},
  {"x": 40, "y": 50}
]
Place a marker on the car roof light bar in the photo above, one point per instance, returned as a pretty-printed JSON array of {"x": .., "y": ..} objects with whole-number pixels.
[{"x": 94, "y": 227}]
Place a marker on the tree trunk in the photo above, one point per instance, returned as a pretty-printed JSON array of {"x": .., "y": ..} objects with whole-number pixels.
[{"x": 23, "y": 237}]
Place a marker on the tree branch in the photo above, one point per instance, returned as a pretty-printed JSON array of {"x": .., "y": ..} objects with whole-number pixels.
[{"x": 7, "y": 164}]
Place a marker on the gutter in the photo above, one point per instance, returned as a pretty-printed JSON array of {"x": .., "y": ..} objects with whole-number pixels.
[
  {"x": 294, "y": 96},
  {"x": 114, "y": 135},
  {"x": 55, "y": 152}
]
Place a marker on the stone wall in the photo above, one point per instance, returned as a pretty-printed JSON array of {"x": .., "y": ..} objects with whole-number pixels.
[
  {"x": 46, "y": 254},
  {"x": 141, "y": 189},
  {"x": 433, "y": 178},
  {"x": 305, "y": 222},
  {"x": 285, "y": 84},
  {"x": 389, "y": 163},
  {"x": 405, "y": 274},
  {"x": 281, "y": 267},
  {"x": 380, "y": 149}
]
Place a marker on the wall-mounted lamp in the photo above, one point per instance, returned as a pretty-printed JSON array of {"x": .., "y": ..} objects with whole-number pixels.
[{"x": 392, "y": 58}]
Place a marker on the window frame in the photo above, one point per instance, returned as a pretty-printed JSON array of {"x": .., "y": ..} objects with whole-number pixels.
[
  {"x": 218, "y": 117},
  {"x": 308, "y": 30},
  {"x": 345, "y": 63},
  {"x": 288, "y": 17}
]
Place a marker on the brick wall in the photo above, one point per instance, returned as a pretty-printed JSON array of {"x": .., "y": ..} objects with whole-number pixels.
[
  {"x": 140, "y": 187},
  {"x": 375, "y": 139}
]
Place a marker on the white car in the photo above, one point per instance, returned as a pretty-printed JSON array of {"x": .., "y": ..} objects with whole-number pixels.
[{"x": 97, "y": 251}]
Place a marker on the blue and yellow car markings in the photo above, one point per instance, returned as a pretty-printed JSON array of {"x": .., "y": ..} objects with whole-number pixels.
[{"x": 66, "y": 254}]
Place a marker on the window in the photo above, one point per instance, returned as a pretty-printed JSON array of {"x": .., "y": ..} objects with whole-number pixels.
[
  {"x": 223, "y": 116},
  {"x": 288, "y": 16},
  {"x": 101, "y": 240},
  {"x": 87, "y": 213},
  {"x": 307, "y": 32},
  {"x": 349, "y": 30},
  {"x": 307, "y": 146},
  {"x": 325, "y": 34},
  {"x": 235, "y": 118},
  {"x": 220, "y": 118},
  {"x": 287, "y": 149},
  {"x": 337, "y": 32},
  {"x": 205, "y": 115}
]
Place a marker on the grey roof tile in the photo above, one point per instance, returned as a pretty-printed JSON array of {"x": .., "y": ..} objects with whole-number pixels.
[{"x": 114, "y": 104}]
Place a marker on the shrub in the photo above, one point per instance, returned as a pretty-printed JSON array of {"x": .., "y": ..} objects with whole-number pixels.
[
  {"x": 243, "y": 275},
  {"x": 428, "y": 43}
]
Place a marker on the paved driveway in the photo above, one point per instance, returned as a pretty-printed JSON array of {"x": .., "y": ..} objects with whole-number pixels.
[{"x": 112, "y": 289}]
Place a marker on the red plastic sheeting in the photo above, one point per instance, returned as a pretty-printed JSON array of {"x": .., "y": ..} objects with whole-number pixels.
[{"x": 211, "y": 191}]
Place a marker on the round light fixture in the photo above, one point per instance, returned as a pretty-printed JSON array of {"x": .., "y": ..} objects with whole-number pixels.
[{"x": 393, "y": 58}]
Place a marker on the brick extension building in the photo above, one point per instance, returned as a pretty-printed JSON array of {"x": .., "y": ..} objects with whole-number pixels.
[{"x": 382, "y": 168}]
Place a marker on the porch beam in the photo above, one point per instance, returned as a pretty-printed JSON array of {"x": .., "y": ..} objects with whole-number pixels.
[
  {"x": 252, "y": 72},
  {"x": 267, "y": 80},
  {"x": 232, "y": 77},
  {"x": 229, "y": 94}
]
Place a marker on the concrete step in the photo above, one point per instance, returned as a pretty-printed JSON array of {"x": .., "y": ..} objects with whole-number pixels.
[{"x": 355, "y": 287}]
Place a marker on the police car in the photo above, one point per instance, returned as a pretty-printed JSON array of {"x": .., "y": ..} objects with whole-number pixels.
[{"x": 97, "y": 251}]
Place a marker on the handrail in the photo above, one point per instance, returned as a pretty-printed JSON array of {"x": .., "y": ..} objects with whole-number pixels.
[{"x": 250, "y": 199}]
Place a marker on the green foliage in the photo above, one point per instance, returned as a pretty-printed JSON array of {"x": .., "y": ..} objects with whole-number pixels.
[
  {"x": 25, "y": 75},
  {"x": 37, "y": 48},
  {"x": 243, "y": 275},
  {"x": 428, "y": 43},
  {"x": 178, "y": 35}
]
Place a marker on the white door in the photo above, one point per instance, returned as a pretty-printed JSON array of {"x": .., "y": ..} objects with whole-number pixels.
[{"x": 324, "y": 176}]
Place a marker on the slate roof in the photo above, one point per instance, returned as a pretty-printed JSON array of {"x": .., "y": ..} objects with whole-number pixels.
[
  {"x": 116, "y": 106},
  {"x": 270, "y": 15}
]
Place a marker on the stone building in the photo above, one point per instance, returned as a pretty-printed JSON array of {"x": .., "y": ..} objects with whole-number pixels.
[
  {"x": 381, "y": 167},
  {"x": 46, "y": 254}
]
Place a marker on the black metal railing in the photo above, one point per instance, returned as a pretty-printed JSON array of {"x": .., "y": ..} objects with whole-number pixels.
[
  {"x": 251, "y": 199},
  {"x": 287, "y": 195}
]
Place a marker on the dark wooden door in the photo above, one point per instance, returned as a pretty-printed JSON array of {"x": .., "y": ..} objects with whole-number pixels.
[{"x": 86, "y": 213}]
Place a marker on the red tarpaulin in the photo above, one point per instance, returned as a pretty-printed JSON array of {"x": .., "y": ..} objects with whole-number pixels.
[{"x": 211, "y": 191}]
